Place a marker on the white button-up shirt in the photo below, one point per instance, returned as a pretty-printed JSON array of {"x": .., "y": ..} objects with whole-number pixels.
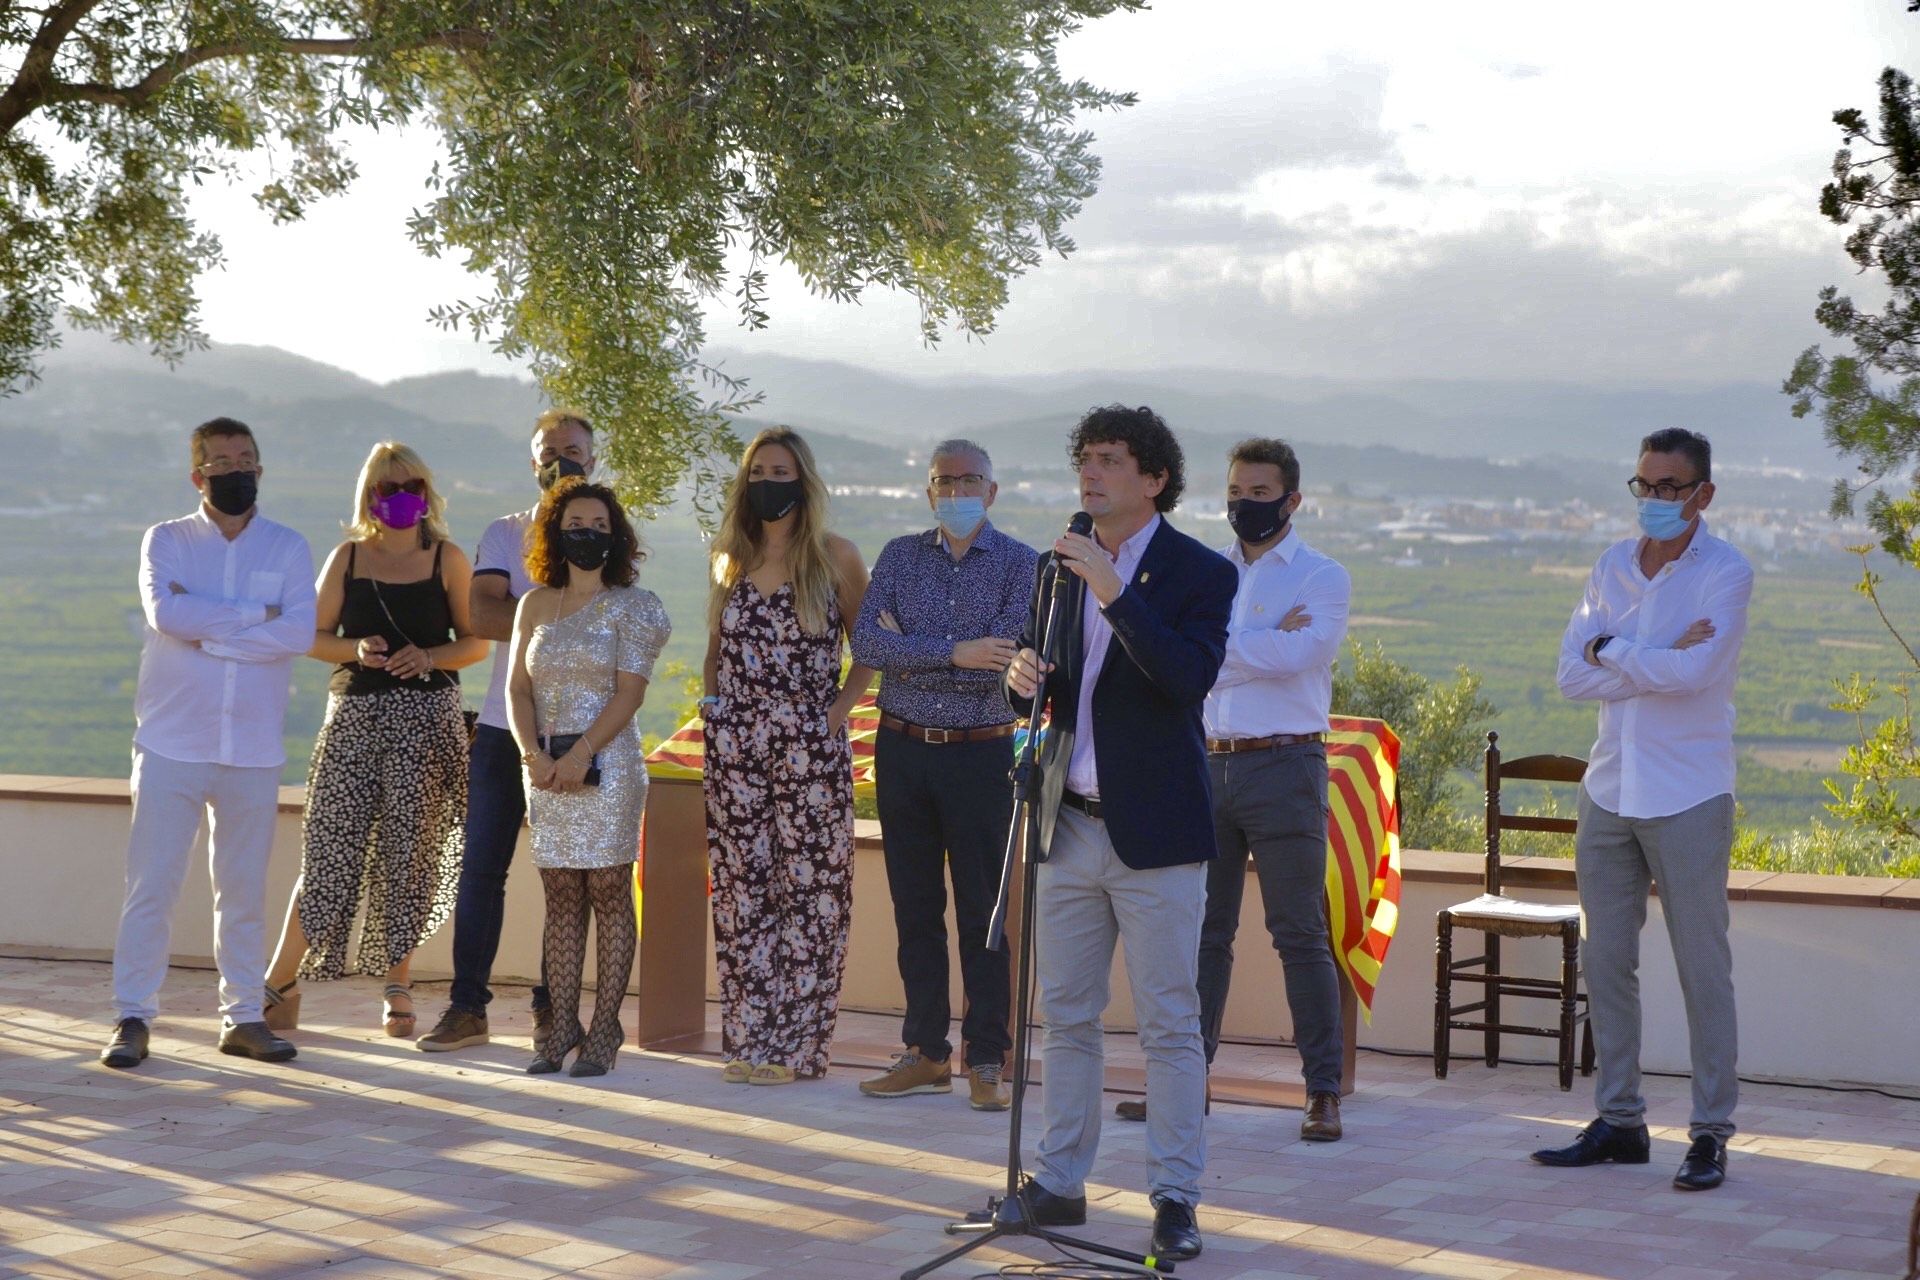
[
  {"x": 1276, "y": 681},
  {"x": 1096, "y": 633},
  {"x": 1666, "y": 714},
  {"x": 215, "y": 671}
]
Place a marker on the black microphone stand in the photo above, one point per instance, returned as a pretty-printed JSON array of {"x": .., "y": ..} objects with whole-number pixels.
[{"x": 1010, "y": 1215}]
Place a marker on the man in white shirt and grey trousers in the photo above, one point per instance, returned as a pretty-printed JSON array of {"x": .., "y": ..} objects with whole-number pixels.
[
  {"x": 228, "y": 598},
  {"x": 1656, "y": 642}
]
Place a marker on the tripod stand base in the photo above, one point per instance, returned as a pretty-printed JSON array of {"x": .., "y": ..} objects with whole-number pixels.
[{"x": 1008, "y": 1217}]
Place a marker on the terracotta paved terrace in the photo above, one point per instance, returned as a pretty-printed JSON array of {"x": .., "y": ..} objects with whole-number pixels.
[{"x": 367, "y": 1158}]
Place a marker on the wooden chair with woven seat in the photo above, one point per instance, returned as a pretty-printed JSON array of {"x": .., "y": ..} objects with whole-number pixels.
[{"x": 1498, "y": 916}]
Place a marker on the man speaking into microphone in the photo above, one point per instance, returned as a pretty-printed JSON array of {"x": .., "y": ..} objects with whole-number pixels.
[{"x": 1126, "y": 824}]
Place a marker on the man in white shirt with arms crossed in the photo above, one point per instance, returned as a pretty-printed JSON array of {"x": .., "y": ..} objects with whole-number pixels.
[
  {"x": 228, "y": 600},
  {"x": 1656, "y": 642}
]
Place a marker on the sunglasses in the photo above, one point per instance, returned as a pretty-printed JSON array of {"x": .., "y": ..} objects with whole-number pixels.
[{"x": 387, "y": 488}]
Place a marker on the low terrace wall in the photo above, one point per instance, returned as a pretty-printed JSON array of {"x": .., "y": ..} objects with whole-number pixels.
[{"x": 1823, "y": 964}]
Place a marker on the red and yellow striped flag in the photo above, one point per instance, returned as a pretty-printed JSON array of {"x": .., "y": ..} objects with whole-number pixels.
[
  {"x": 1363, "y": 849},
  {"x": 1363, "y": 828}
]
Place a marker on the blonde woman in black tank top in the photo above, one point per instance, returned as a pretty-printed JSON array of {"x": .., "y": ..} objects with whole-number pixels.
[{"x": 387, "y": 787}]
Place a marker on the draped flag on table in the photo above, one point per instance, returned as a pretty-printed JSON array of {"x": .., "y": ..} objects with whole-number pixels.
[{"x": 1363, "y": 827}]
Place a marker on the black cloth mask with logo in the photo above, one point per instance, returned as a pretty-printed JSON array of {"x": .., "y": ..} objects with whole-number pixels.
[
  {"x": 772, "y": 499},
  {"x": 1255, "y": 522},
  {"x": 552, "y": 473}
]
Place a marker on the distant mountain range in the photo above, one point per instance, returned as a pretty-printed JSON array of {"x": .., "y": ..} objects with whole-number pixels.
[{"x": 92, "y": 385}]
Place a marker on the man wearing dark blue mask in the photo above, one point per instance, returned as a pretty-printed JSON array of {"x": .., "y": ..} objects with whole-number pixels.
[
  {"x": 496, "y": 794},
  {"x": 1656, "y": 642},
  {"x": 938, "y": 622}
]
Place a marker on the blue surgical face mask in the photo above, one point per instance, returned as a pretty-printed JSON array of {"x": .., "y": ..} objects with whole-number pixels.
[
  {"x": 1661, "y": 520},
  {"x": 959, "y": 516}
]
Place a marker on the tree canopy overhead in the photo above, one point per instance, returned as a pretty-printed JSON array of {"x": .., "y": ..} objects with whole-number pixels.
[{"x": 607, "y": 162}]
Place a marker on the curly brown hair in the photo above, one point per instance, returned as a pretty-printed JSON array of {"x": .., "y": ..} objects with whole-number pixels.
[{"x": 546, "y": 564}]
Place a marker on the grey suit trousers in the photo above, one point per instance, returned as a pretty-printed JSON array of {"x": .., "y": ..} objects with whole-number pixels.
[
  {"x": 1088, "y": 899},
  {"x": 1687, "y": 855}
]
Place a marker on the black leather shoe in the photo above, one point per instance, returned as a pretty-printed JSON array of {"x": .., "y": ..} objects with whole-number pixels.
[
  {"x": 255, "y": 1040},
  {"x": 1043, "y": 1209},
  {"x": 1705, "y": 1166},
  {"x": 1599, "y": 1142},
  {"x": 1176, "y": 1235},
  {"x": 128, "y": 1048}
]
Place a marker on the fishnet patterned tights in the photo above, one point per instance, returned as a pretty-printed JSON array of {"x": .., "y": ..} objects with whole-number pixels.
[{"x": 608, "y": 892}]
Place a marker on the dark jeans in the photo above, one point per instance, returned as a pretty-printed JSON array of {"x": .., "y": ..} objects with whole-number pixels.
[
  {"x": 1273, "y": 804},
  {"x": 496, "y": 808},
  {"x": 946, "y": 807}
]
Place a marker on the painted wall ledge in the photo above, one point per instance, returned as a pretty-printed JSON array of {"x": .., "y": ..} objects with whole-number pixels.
[{"x": 1424, "y": 866}]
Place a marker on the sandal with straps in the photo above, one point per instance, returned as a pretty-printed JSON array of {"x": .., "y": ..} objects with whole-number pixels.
[
  {"x": 280, "y": 1006},
  {"x": 399, "y": 1023},
  {"x": 771, "y": 1073}
]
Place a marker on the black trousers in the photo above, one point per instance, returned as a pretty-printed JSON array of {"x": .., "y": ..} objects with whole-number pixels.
[{"x": 945, "y": 808}]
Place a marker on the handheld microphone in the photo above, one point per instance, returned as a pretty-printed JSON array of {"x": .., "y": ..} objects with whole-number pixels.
[{"x": 1063, "y": 580}]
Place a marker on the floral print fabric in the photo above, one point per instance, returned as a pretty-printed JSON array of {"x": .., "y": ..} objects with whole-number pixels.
[{"x": 779, "y": 793}]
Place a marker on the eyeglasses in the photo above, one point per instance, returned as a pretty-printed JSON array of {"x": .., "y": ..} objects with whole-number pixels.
[
  {"x": 387, "y": 488},
  {"x": 221, "y": 466},
  {"x": 948, "y": 484},
  {"x": 1662, "y": 489}
]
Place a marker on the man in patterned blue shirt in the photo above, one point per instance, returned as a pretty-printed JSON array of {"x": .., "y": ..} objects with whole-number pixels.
[{"x": 939, "y": 623}]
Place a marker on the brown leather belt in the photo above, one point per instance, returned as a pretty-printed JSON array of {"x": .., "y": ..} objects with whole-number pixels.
[
  {"x": 1085, "y": 804},
  {"x": 939, "y": 736},
  {"x": 1232, "y": 746}
]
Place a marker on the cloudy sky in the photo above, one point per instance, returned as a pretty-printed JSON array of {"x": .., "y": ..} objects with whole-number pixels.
[{"x": 1617, "y": 194}]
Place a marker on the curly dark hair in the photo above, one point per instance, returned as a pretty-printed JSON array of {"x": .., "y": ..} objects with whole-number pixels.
[
  {"x": 545, "y": 563},
  {"x": 1146, "y": 435}
]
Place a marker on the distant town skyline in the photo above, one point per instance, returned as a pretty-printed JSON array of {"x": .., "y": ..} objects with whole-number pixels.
[{"x": 1528, "y": 191}]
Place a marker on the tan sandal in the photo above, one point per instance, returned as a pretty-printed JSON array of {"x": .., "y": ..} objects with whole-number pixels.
[
  {"x": 771, "y": 1073},
  {"x": 400, "y": 1023},
  {"x": 736, "y": 1071},
  {"x": 281, "y": 1007}
]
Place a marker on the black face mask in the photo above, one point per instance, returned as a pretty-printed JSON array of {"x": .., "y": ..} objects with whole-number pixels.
[
  {"x": 771, "y": 499},
  {"x": 586, "y": 548},
  {"x": 552, "y": 473},
  {"x": 233, "y": 493},
  {"x": 1255, "y": 522}
]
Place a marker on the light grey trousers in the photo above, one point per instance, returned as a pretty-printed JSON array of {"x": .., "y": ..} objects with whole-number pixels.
[
  {"x": 1088, "y": 899},
  {"x": 170, "y": 800},
  {"x": 1687, "y": 855}
]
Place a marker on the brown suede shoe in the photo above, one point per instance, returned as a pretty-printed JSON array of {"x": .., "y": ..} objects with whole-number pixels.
[
  {"x": 912, "y": 1072},
  {"x": 986, "y": 1090},
  {"x": 1322, "y": 1121}
]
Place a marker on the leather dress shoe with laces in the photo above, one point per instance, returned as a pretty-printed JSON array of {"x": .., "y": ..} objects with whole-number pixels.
[
  {"x": 1705, "y": 1166},
  {"x": 1322, "y": 1120},
  {"x": 1176, "y": 1233},
  {"x": 1043, "y": 1209},
  {"x": 255, "y": 1040},
  {"x": 1597, "y": 1143},
  {"x": 128, "y": 1048}
]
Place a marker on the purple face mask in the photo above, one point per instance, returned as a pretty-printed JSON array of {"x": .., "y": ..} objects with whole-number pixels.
[{"x": 401, "y": 510}]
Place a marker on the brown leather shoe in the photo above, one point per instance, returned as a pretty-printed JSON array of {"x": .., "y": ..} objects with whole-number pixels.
[
  {"x": 912, "y": 1072},
  {"x": 1322, "y": 1121},
  {"x": 1135, "y": 1109}
]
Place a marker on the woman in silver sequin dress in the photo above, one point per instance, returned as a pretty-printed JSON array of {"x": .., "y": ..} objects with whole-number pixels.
[{"x": 584, "y": 645}]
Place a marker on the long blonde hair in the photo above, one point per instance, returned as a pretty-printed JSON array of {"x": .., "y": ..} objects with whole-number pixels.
[
  {"x": 741, "y": 539},
  {"x": 387, "y": 460}
]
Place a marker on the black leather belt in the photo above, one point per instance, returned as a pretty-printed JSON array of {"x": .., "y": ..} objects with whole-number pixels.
[
  {"x": 1232, "y": 746},
  {"x": 1085, "y": 804},
  {"x": 938, "y": 736}
]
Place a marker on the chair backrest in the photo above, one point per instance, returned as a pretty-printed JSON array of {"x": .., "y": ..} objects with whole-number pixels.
[{"x": 1524, "y": 769}]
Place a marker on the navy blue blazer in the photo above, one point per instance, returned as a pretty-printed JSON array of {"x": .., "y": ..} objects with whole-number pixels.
[{"x": 1150, "y": 747}]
